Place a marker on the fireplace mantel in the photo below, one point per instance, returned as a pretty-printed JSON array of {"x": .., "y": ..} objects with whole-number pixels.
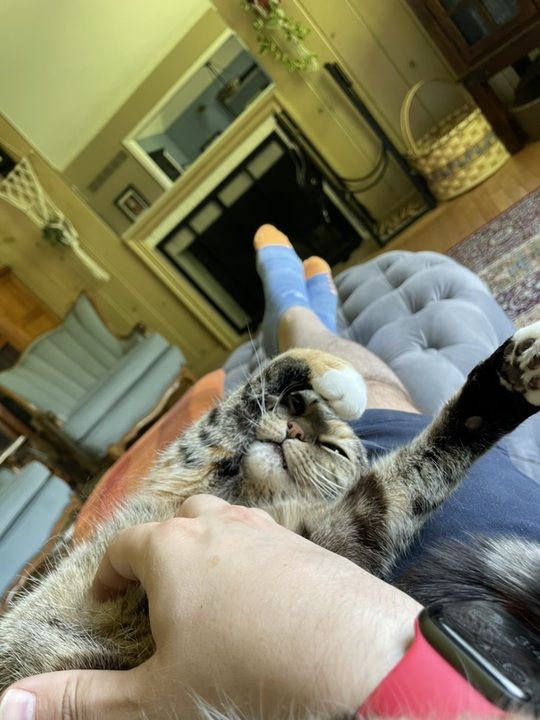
[{"x": 229, "y": 149}]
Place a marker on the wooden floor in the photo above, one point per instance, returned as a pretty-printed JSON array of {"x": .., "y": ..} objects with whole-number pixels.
[{"x": 453, "y": 221}]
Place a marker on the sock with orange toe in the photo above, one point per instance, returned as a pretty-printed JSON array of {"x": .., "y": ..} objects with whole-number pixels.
[
  {"x": 282, "y": 277},
  {"x": 322, "y": 293}
]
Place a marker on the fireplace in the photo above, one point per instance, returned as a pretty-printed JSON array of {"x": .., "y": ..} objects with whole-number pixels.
[{"x": 283, "y": 181}]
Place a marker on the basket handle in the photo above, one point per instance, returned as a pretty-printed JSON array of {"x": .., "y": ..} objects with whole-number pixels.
[{"x": 405, "y": 113}]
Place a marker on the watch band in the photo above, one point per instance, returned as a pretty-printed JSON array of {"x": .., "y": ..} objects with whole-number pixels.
[{"x": 424, "y": 685}]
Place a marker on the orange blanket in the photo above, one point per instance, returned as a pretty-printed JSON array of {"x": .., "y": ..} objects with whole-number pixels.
[{"x": 125, "y": 475}]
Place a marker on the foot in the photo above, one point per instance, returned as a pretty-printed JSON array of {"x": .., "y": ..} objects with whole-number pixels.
[
  {"x": 520, "y": 370},
  {"x": 322, "y": 293},
  {"x": 282, "y": 276}
]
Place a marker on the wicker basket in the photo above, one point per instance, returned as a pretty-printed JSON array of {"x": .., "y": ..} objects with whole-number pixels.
[{"x": 460, "y": 152}]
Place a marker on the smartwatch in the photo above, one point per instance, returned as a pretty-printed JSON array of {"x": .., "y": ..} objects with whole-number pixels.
[{"x": 469, "y": 658}]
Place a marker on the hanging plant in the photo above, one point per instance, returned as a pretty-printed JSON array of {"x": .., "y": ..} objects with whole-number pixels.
[
  {"x": 280, "y": 36},
  {"x": 58, "y": 232}
]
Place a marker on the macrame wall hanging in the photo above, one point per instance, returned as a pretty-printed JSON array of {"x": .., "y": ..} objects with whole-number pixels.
[{"x": 22, "y": 189}]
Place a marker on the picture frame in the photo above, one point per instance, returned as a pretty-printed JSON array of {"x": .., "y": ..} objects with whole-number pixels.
[{"x": 131, "y": 203}]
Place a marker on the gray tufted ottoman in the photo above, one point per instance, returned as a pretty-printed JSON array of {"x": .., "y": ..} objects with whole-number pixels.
[
  {"x": 430, "y": 319},
  {"x": 426, "y": 316}
]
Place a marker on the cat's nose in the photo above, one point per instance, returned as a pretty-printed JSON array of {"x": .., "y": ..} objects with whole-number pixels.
[{"x": 294, "y": 431}]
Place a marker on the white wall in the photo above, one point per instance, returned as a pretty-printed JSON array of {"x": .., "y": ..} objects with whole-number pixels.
[{"x": 68, "y": 65}]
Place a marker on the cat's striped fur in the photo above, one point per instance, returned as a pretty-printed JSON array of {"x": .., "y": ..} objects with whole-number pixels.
[{"x": 315, "y": 480}]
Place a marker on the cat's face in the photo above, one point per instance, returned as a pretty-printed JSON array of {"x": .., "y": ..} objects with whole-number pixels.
[{"x": 302, "y": 449}]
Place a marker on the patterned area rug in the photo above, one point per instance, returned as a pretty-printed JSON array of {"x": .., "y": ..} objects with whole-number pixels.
[{"x": 505, "y": 253}]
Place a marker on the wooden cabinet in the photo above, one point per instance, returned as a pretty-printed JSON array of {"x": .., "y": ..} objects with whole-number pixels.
[
  {"x": 479, "y": 38},
  {"x": 23, "y": 316}
]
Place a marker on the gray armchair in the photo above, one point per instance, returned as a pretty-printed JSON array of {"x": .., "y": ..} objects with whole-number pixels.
[
  {"x": 90, "y": 391},
  {"x": 32, "y": 504}
]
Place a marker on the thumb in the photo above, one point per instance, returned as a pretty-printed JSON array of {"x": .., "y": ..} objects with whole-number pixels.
[{"x": 73, "y": 695}]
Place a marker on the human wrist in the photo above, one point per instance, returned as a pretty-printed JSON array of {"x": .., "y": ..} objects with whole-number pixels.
[
  {"x": 371, "y": 638},
  {"x": 353, "y": 628}
]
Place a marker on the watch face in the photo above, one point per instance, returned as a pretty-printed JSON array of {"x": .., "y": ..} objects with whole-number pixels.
[{"x": 492, "y": 649}]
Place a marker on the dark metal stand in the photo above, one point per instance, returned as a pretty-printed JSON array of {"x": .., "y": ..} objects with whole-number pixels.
[
  {"x": 358, "y": 210},
  {"x": 346, "y": 86}
]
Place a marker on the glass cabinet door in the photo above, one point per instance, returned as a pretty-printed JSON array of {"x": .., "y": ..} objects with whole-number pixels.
[{"x": 479, "y": 25}]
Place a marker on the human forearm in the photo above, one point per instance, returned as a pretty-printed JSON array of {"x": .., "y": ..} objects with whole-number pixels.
[{"x": 344, "y": 633}]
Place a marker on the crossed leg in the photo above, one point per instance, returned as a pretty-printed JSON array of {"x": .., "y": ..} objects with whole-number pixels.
[{"x": 290, "y": 321}]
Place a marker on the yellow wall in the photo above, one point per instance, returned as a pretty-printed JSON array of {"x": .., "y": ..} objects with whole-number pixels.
[
  {"x": 133, "y": 294},
  {"x": 68, "y": 65},
  {"x": 105, "y": 144}
]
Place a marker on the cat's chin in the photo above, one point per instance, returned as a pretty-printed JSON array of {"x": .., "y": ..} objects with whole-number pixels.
[{"x": 265, "y": 465}]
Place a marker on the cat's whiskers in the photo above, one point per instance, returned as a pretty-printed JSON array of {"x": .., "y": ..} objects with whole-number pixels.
[
  {"x": 281, "y": 396},
  {"x": 326, "y": 482},
  {"x": 249, "y": 419},
  {"x": 254, "y": 395},
  {"x": 315, "y": 480},
  {"x": 261, "y": 374},
  {"x": 319, "y": 487}
]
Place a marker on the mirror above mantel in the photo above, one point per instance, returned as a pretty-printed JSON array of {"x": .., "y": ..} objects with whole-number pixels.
[{"x": 205, "y": 102}]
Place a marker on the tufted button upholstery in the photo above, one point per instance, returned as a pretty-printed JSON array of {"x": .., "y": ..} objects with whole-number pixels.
[{"x": 427, "y": 317}]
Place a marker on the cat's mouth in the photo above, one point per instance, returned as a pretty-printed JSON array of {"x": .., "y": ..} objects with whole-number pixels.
[
  {"x": 277, "y": 448},
  {"x": 281, "y": 454}
]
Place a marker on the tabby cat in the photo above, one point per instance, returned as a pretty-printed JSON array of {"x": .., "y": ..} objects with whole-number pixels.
[{"x": 281, "y": 442}]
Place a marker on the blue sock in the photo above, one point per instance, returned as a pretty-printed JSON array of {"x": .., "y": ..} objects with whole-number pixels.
[
  {"x": 282, "y": 276},
  {"x": 321, "y": 291}
]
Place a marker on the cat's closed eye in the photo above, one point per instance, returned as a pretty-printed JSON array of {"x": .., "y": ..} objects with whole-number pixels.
[
  {"x": 295, "y": 403},
  {"x": 334, "y": 448}
]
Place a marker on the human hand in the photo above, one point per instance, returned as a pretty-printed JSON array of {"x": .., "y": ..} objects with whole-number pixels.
[{"x": 242, "y": 611}]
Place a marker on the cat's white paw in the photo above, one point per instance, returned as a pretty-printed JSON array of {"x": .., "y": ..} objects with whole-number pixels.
[
  {"x": 521, "y": 366},
  {"x": 344, "y": 390}
]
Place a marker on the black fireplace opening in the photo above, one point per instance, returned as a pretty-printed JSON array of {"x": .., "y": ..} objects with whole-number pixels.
[{"x": 276, "y": 183}]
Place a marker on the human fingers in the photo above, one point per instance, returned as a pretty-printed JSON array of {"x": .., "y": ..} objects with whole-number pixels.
[
  {"x": 126, "y": 558},
  {"x": 73, "y": 695},
  {"x": 123, "y": 562}
]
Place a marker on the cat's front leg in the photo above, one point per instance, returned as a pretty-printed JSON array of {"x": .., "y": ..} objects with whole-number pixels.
[
  {"x": 381, "y": 514},
  {"x": 498, "y": 395},
  {"x": 332, "y": 378}
]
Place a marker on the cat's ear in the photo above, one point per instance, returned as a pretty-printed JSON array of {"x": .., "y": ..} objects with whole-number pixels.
[{"x": 344, "y": 390}]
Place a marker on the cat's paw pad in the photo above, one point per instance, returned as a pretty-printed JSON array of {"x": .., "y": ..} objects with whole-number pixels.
[
  {"x": 344, "y": 390},
  {"x": 520, "y": 371}
]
